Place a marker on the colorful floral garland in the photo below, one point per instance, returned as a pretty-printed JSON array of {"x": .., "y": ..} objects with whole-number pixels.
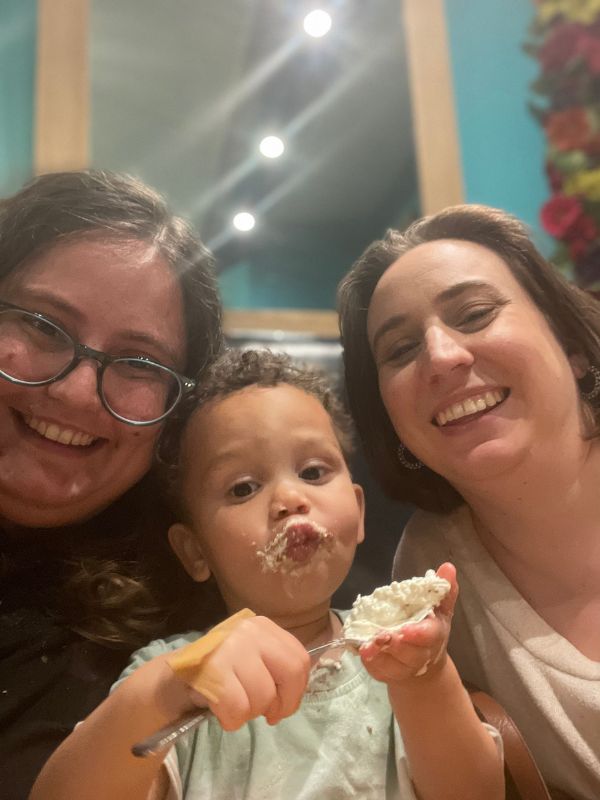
[{"x": 565, "y": 39}]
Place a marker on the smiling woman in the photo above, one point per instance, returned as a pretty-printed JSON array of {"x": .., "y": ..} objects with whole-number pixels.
[
  {"x": 107, "y": 304},
  {"x": 472, "y": 373}
]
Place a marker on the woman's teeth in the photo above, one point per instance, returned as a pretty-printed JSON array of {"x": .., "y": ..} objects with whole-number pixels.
[
  {"x": 49, "y": 430},
  {"x": 470, "y": 406}
]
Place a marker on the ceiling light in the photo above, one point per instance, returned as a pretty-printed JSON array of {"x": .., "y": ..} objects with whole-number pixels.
[
  {"x": 244, "y": 221},
  {"x": 271, "y": 147},
  {"x": 317, "y": 23}
]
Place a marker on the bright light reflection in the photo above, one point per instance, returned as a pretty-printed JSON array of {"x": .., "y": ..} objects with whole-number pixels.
[
  {"x": 317, "y": 23},
  {"x": 244, "y": 221},
  {"x": 271, "y": 147}
]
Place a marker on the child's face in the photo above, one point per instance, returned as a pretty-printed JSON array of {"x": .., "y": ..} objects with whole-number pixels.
[{"x": 273, "y": 512}]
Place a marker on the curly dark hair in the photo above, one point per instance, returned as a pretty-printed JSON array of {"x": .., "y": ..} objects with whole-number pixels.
[
  {"x": 235, "y": 370},
  {"x": 573, "y": 315},
  {"x": 103, "y": 567}
]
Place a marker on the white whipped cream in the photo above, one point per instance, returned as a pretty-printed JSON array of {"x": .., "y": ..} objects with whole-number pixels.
[
  {"x": 274, "y": 556},
  {"x": 391, "y": 607}
]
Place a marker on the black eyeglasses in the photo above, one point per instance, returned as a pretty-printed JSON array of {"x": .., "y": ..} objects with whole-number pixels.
[{"x": 34, "y": 351}]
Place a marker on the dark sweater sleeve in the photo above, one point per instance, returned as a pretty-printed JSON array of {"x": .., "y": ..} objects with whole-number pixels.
[{"x": 50, "y": 679}]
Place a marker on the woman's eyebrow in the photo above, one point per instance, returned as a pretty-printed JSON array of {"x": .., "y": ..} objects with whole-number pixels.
[
  {"x": 165, "y": 352},
  {"x": 163, "y": 349},
  {"x": 451, "y": 293},
  {"x": 37, "y": 296},
  {"x": 460, "y": 288},
  {"x": 391, "y": 323}
]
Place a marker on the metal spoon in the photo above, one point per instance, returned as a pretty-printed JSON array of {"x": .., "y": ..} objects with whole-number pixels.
[{"x": 166, "y": 736}]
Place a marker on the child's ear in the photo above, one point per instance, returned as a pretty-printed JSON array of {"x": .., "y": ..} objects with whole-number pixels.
[
  {"x": 186, "y": 547},
  {"x": 360, "y": 499}
]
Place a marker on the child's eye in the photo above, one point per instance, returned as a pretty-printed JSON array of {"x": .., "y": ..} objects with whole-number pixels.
[
  {"x": 314, "y": 472},
  {"x": 243, "y": 489}
]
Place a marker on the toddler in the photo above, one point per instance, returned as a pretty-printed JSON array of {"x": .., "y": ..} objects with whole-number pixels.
[{"x": 268, "y": 510}]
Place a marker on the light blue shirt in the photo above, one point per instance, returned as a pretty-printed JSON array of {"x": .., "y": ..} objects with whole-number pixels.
[{"x": 343, "y": 742}]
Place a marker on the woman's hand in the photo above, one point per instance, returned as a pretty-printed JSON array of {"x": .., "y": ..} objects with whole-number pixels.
[{"x": 417, "y": 650}]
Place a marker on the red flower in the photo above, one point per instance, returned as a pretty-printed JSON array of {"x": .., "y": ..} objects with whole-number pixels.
[
  {"x": 561, "y": 46},
  {"x": 560, "y": 214},
  {"x": 592, "y": 148},
  {"x": 589, "y": 48},
  {"x": 569, "y": 57},
  {"x": 580, "y": 235},
  {"x": 555, "y": 177},
  {"x": 568, "y": 129}
]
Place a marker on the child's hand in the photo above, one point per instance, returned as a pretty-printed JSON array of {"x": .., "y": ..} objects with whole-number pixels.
[
  {"x": 264, "y": 671},
  {"x": 418, "y": 649}
]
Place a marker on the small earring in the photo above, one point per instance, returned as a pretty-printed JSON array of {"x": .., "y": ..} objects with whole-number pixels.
[
  {"x": 595, "y": 390},
  {"x": 402, "y": 453}
]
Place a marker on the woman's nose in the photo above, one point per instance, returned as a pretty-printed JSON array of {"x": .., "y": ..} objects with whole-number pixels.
[
  {"x": 289, "y": 498},
  {"x": 79, "y": 388},
  {"x": 445, "y": 350}
]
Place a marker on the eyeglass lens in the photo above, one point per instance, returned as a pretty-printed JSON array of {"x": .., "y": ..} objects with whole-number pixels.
[
  {"x": 34, "y": 350},
  {"x": 139, "y": 391}
]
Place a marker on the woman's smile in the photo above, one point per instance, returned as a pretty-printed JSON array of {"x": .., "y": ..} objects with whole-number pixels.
[
  {"x": 59, "y": 433},
  {"x": 56, "y": 437},
  {"x": 471, "y": 407}
]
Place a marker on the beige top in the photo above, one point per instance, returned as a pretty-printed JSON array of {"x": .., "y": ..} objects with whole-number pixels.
[{"x": 501, "y": 645}]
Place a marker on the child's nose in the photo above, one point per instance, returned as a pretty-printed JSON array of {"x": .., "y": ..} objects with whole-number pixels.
[{"x": 288, "y": 500}]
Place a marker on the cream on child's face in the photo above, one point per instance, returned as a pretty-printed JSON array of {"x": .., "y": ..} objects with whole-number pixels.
[
  {"x": 295, "y": 545},
  {"x": 270, "y": 498}
]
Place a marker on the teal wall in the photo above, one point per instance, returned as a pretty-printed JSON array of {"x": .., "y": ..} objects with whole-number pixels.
[
  {"x": 300, "y": 269},
  {"x": 17, "y": 69},
  {"x": 302, "y": 273},
  {"x": 502, "y": 145}
]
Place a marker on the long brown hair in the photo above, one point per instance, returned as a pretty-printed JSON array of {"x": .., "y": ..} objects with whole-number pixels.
[
  {"x": 573, "y": 315},
  {"x": 113, "y": 575}
]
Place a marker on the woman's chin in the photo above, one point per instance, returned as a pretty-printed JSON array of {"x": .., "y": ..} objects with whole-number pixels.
[
  {"x": 45, "y": 504},
  {"x": 487, "y": 461}
]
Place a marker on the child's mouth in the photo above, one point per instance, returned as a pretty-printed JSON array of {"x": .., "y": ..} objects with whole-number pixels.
[
  {"x": 301, "y": 542},
  {"x": 294, "y": 545}
]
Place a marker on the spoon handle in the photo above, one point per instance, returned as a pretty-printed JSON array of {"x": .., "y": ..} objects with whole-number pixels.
[{"x": 168, "y": 735}]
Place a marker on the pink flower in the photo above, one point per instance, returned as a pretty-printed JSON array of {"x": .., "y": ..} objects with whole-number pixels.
[{"x": 560, "y": 214}]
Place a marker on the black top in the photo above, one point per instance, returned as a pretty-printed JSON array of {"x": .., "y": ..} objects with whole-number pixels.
[{"x": 50, "y": 677}]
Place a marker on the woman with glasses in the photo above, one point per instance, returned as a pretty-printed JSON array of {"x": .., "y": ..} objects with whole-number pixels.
[
  {"x": 108, "y": 309},
  {"x": 473, "y": 372}
]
